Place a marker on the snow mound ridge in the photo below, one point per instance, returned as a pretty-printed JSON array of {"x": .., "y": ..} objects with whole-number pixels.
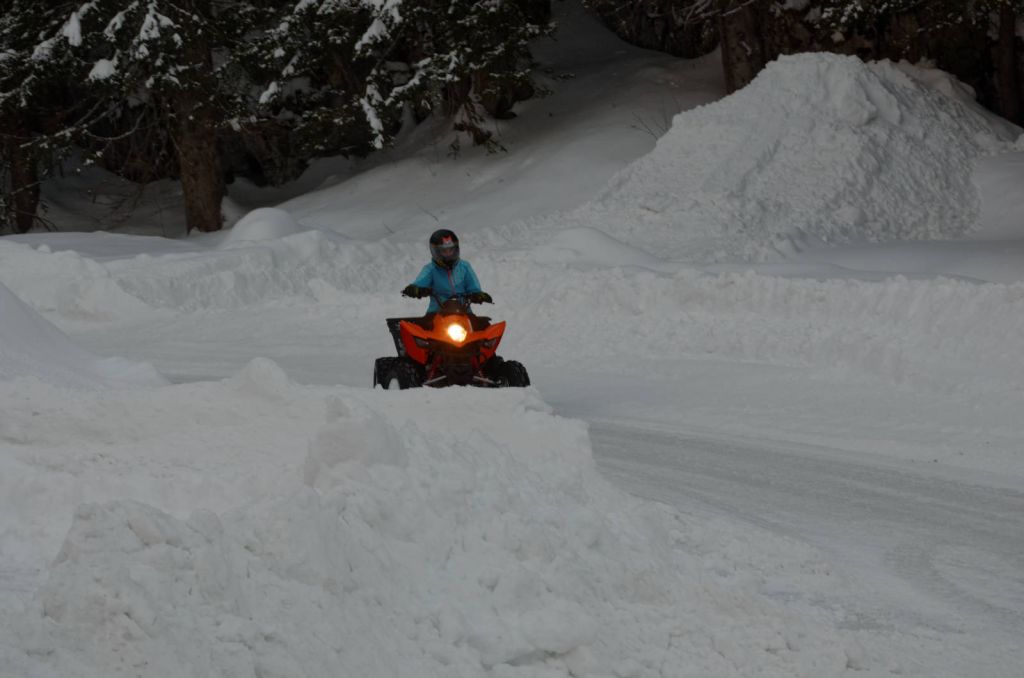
[
  {"x": 819, "y": 148},
  {"x": 412, "y": 545},
  {"x": 265, "y": 223},
  {"x": 942, "y": 334},
  {"x": 313, "y": 264},
  {"x": 32, "y": 347}
]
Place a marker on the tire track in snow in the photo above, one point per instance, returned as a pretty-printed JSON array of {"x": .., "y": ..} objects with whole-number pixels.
[{"x": 908, "y": 540}]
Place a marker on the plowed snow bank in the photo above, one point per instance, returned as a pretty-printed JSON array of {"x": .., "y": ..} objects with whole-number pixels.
[
  {"x": 943, "y": 334},
  {"x": 398, "y": 540},
  {"x": 30, "y": 346},
  {"x": 818, "y": 148}
]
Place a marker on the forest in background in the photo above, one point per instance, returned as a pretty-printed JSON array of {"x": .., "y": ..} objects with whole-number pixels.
[{"x": 203, "y": 91}]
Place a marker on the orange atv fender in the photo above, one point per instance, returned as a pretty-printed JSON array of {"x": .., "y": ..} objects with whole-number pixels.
[{"x": 489, "y": 337}]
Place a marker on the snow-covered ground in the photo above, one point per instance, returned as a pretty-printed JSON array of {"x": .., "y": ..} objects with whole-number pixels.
[{"x": 794, "y": 315}]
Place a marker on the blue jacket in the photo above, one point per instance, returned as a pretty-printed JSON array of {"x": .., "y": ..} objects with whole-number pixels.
[{"x": 460, "y": 279}]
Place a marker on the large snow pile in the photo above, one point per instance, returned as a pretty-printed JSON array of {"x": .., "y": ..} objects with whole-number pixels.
[
  {"x": 999, "y": 179},
  {"x": 30, "y": 346},
  {"x": 819, "y": 148},
  {"x": 429, "y": 534}
]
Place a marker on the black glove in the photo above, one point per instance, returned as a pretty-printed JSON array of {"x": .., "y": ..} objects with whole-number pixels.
[
  {"x": 479, "y": 298},
  {"x": 416, "y": 292}
]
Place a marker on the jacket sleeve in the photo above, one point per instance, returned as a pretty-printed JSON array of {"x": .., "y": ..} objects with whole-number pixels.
[
  {"x": 426, "y": 277},
  {"x": 472, "y": 282}
]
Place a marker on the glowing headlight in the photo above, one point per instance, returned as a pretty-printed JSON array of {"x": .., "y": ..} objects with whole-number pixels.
[{"x": 457, "y": 332}]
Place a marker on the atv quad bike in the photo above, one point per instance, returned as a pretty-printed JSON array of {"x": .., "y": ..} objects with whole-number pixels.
[{"x": 451, "y": 347}]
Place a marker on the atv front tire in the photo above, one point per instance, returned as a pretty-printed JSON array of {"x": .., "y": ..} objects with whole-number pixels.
[
  {"x": 512, "y": 373},
  {"x": 397, "y": 373},
  {"x": 381, "y": 370}
]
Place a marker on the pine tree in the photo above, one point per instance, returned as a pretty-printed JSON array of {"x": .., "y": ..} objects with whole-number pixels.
[
  {"x": 29, "y": 126},
  {"x": 678, "y": 28},
  {"x": 151, "y": 87},
  {"x": 974, "y": 39},
  {"x": 366, "y": 62},
  {"x": 158, "y": 55},
  {"x": 1003, "y": 15},
  {"x": 941, "y": 18},
  {"x": 19, "y": 181}
]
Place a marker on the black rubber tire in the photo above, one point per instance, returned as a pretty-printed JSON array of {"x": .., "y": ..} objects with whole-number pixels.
[
  {"x": 403, "y": 373},
  {"x": 512, "y": 373},
  {"x": 492, "y": 369},
  {"x": 382, "y": 371}
]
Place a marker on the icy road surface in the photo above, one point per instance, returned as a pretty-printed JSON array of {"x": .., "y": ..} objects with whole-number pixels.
[{"x": 923, "y": 550}]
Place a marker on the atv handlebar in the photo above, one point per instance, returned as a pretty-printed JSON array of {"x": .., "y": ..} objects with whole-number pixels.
[
  {"x": 469, "y": 298},
  {"x": 415, "y": 292}
]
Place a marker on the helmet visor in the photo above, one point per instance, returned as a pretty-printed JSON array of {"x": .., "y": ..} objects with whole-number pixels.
[{"x": 447, "y": 252}]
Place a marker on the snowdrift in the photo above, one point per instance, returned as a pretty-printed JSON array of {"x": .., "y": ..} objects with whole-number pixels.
[
  {"x": 999, "y": 179},
  {"x": 819, "y": 148},
  {"x": 251, "y": 267},
  {"x": 265, "y": 223},
  {"x": 71, "y": 284},
  {"x": 933, "y": 334},
  {"x": 32, "y": 347},
  {"x": 398, "y": 540}
]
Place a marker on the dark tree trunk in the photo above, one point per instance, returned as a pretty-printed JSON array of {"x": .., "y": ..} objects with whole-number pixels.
[
  {"x": 24, "y": 175},
  {"x": 536, "y": 11},
  {"x": 202, "y": 176},
  {"x": 743, "y": 49},
  {"x": 195, "y": 134},
  {"x": 1008, "y": 82},
  {"x": 663, "y": 25}
]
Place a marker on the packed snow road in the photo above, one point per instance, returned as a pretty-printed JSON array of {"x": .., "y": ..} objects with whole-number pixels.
[{"x": 924, "y": 551}]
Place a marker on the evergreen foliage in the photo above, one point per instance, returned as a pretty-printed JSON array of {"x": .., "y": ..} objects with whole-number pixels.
[
  {"x": 36, "y": 111},
  {"x": 154, "y": 88},
  {"x": 203, "y": 89},
  {"x": 362, "y": 63}
]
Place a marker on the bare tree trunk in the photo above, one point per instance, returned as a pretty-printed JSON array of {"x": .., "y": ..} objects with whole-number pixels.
[
  {"x": 24, "y": 175},
  {"x": 743, "y": 50},
  {"x": 195, "y": 135},
  {"x": 202, "y": 176},
  {"x": 1007, "y": 79}
]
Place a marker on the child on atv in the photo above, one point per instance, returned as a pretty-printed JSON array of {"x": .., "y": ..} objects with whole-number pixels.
[
  {"x": 446, "y": 276},
  {"x": 450, "y": 346}
]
